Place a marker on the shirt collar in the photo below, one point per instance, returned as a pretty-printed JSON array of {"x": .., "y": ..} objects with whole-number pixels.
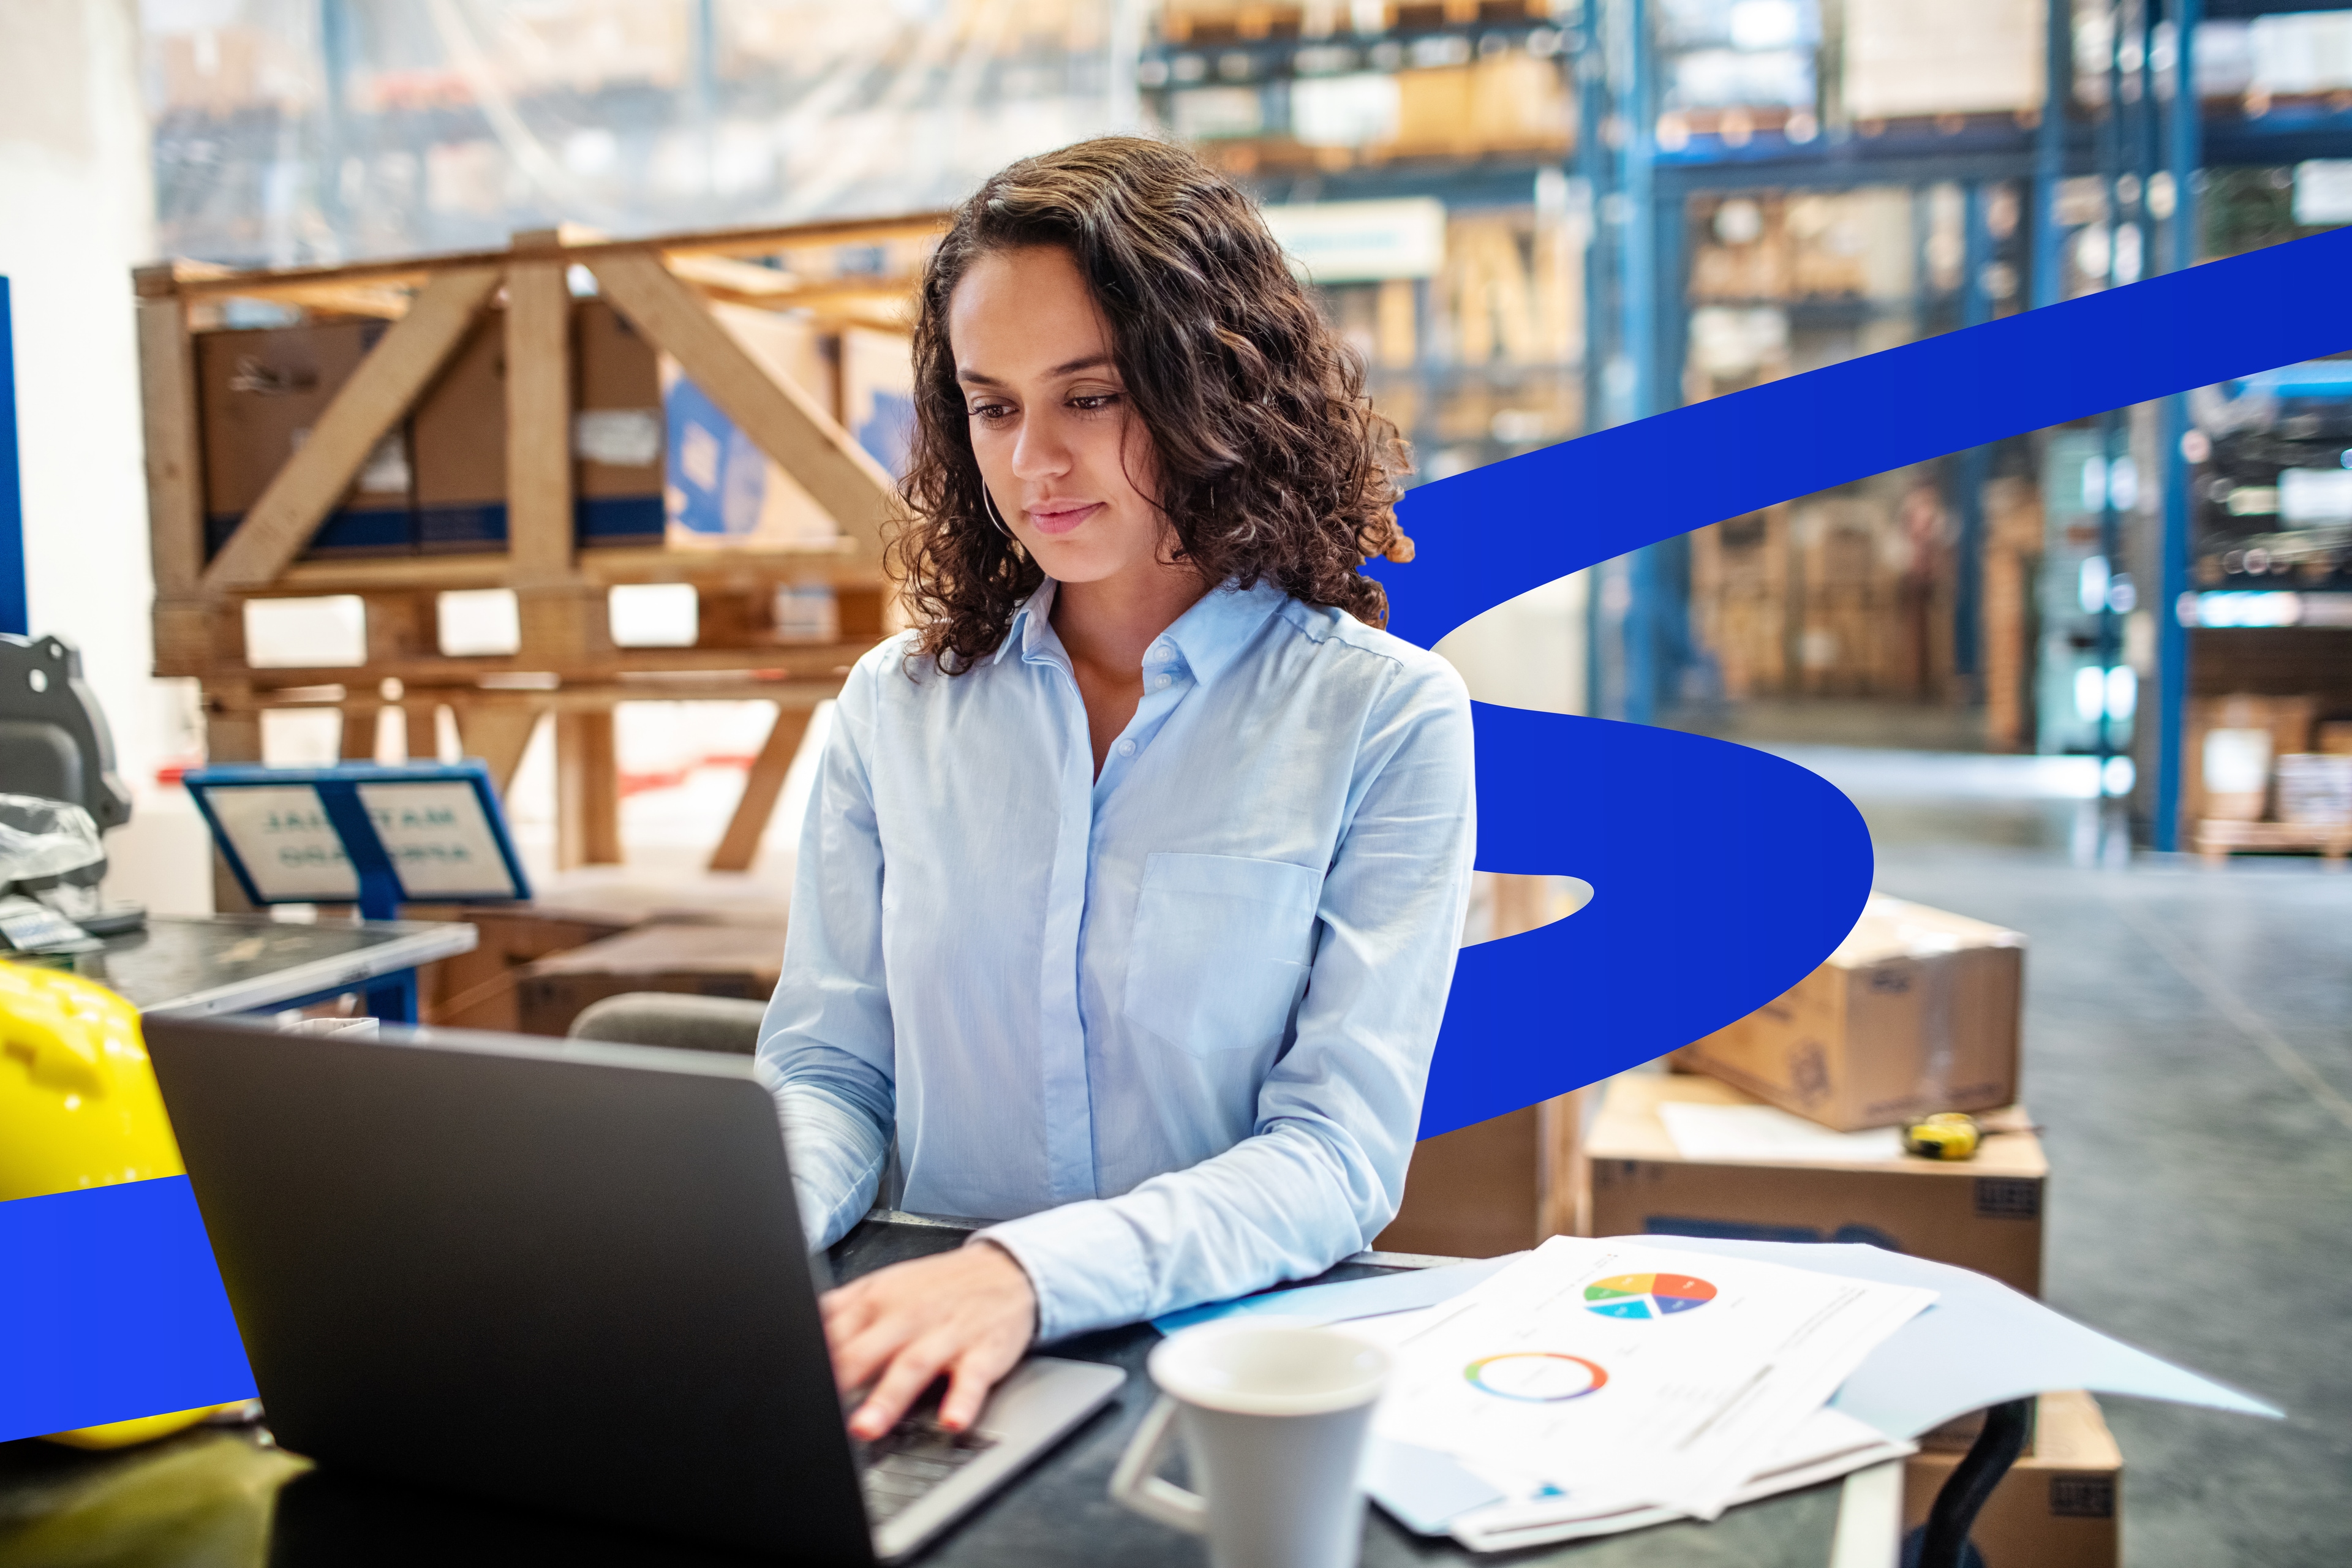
[
  {"x": 1213, "y": 633},
  {"x": 1031, "y": 623},
  {"x": 1210, "y": 636}
]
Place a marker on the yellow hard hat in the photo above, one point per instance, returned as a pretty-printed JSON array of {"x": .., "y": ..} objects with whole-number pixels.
[
  {"x": 80, "y": 1108},
  {"x": 78, "y": 1103}
]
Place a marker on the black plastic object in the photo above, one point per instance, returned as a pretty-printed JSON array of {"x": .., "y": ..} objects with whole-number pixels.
[
  {"x": 53, "y": 737},
  {"x": 567, "y": 1279},
  {"x": 1943, "y": 1541}
]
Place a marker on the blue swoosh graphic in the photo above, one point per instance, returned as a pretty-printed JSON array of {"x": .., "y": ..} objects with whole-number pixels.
[{"x": 1723, "y": 876}]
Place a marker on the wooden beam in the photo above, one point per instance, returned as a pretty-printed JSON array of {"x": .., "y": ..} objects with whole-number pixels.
[
  {"x": 230, "y": 736},
  {"x": 587, "y": 790},
  {"x": 361, "y": 723},
  {"x": 499, "y": 736},
  {"x": 422, "y": 720},
  {"x": 176, "y": 480},
  {"x": 1563, "y": 1175},
  {"x": 739, "y": 845},
  {"x": 833, "y": 561},
  {"x": 197, "y": 281},
  {"x": 539, "y": 531},
  {"x": 780, "y": 418},
  {"x": 388, "y": 381}
]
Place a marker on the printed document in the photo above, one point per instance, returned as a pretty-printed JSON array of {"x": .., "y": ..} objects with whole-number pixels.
[{"x": 1601, "y": 1377}]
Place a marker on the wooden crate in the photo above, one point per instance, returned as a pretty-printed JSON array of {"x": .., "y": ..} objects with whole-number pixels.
[
  {"x": 737, "y": 961},
  {"x": 2218, "y": 838},
  {"x": 517, "y": 304}
]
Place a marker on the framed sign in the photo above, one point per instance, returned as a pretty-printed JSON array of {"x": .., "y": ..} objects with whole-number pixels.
[{"x": 374, "y": 836}]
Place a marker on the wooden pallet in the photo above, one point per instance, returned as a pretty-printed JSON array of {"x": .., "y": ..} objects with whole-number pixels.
[
  {"x": 2217, "y": 838},
  {"x": 567, "y": 664}
]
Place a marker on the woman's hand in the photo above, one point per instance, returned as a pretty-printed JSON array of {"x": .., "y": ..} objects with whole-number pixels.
[{"x": 969, "y": 1313}]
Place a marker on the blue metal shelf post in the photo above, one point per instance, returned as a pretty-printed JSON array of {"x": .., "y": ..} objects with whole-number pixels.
[
  {"x": 15, "y": 613},
  {"x": 1641, "y": 290},
  {"x": 1975, "y": 465},
  {"x": 2183, "y": 152}
]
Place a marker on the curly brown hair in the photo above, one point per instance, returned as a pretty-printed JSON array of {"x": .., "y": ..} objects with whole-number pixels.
[{"x": 1273, "y": 464}]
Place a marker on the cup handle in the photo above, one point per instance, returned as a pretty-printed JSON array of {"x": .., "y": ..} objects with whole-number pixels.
[{"x": 1136, "y": 1486}]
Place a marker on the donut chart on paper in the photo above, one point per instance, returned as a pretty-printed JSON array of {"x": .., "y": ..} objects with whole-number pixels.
[
  {"x": 1646, "y": 1295},
  {"x": 1535, "y": 1377}
]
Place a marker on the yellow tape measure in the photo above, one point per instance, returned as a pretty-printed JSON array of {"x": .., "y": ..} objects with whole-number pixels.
[{"x": 1947, "y": 1135}]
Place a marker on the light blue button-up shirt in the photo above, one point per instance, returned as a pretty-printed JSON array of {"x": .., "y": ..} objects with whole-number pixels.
[{"x": 1170, "y": 1026}]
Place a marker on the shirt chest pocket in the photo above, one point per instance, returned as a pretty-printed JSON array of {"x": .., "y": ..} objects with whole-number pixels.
[{"x": 1221, "y": 951}]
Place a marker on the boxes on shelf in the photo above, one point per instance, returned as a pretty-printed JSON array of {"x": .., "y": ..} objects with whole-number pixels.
[
  {"x": 1905, "y": 60},
  {"x": 1984, "y": 1214},
  {"x": 722, "y": 492},
  {"x": 2226, "y": 747},
  {"x": 2314, "y": 789},
  {"x": 2059, "y": 1505},
  {"x": 459, "y": 430},
  {"x": 1916, "y": 1011},
  {"x": 617, "y": 432},
  {"x": 701, "y": 960},
  {"x": 259, "y": 392}
]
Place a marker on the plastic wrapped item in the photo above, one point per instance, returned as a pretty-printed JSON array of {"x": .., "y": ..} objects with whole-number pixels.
[{"x": 44, "y": 843}]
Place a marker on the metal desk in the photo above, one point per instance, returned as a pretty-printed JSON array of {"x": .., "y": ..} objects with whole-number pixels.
[
  {"x": 220, "y": 1498},
  {"x": 241, "y": 963}
]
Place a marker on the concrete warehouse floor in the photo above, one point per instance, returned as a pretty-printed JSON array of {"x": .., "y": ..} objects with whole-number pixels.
[{"x": 2188, "y": 1051}]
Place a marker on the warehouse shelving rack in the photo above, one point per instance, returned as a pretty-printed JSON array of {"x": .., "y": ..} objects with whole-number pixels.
[
  {"x": 1637, "y": 277},
  {"x": 567, "y": 664}
]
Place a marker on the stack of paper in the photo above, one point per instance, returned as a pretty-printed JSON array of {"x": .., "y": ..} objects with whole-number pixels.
[
  {"x": 1980, "y": 1344},
  {"x": 1595, "y": 1386}
]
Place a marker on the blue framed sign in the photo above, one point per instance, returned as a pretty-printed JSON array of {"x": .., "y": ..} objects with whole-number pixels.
[{"x": 375, "y": 835}]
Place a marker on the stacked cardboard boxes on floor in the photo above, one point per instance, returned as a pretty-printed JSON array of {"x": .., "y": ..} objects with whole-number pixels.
[
  {"x": 1916, "y": 1011},
  {"x": 2266, "y": 773}
]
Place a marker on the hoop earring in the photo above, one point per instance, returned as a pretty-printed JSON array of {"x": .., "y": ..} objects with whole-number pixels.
[{"x": 989, "y": 502}]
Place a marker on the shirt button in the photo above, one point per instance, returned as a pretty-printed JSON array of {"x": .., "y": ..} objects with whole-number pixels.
[
  {"x": 1126, "y": 748},
  {"x": 1161, "y": 684},
  {"x": 1162, "y": 652}
]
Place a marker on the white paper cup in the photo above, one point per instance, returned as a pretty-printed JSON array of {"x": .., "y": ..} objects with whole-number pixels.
[{"x": 1273, "y": 1416}]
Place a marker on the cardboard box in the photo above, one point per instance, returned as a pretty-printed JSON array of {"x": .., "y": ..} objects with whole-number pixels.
[
  {"x": 2227, "y": 747},
  {"x": 2057, "y": 1507},
  {"x": 743, "y": 961},
  {"x": 1499, "y": 1186},
  {"x": 1916, "y": 1011},
  {"x": 722, "y": 490},
  {"x": 618, "y": 435},
  {"x": 1983, "y": 1214},
  {"x": 259, "y": 392},
  {"x": 878, "y": 393},
  {"x": 459, "y": 429}
]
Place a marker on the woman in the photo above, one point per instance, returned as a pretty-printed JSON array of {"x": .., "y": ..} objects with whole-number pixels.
[{"x": 1131, "y": 889}]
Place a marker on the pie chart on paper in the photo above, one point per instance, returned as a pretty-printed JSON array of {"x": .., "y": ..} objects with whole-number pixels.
[{"x": 1646, "y": 1295}]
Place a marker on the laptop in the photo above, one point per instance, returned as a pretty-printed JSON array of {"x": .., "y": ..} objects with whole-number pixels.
[{"x": 569, "y": 1277}]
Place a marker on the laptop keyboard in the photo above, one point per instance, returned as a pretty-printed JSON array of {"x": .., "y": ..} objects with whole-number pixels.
[{"x": 900, "y": 1468}]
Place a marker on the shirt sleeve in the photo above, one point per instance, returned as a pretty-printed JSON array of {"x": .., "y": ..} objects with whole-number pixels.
[
  {"x": 825, "y": 1046},
  {"x": 1323, "y": 1171}
]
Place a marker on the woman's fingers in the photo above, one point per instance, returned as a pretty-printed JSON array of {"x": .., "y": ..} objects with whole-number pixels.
[
  {"x": 847, "y": 1312},
  {"x": 976, "y": 1372},
  {"x": 910, "y": 1372}
]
